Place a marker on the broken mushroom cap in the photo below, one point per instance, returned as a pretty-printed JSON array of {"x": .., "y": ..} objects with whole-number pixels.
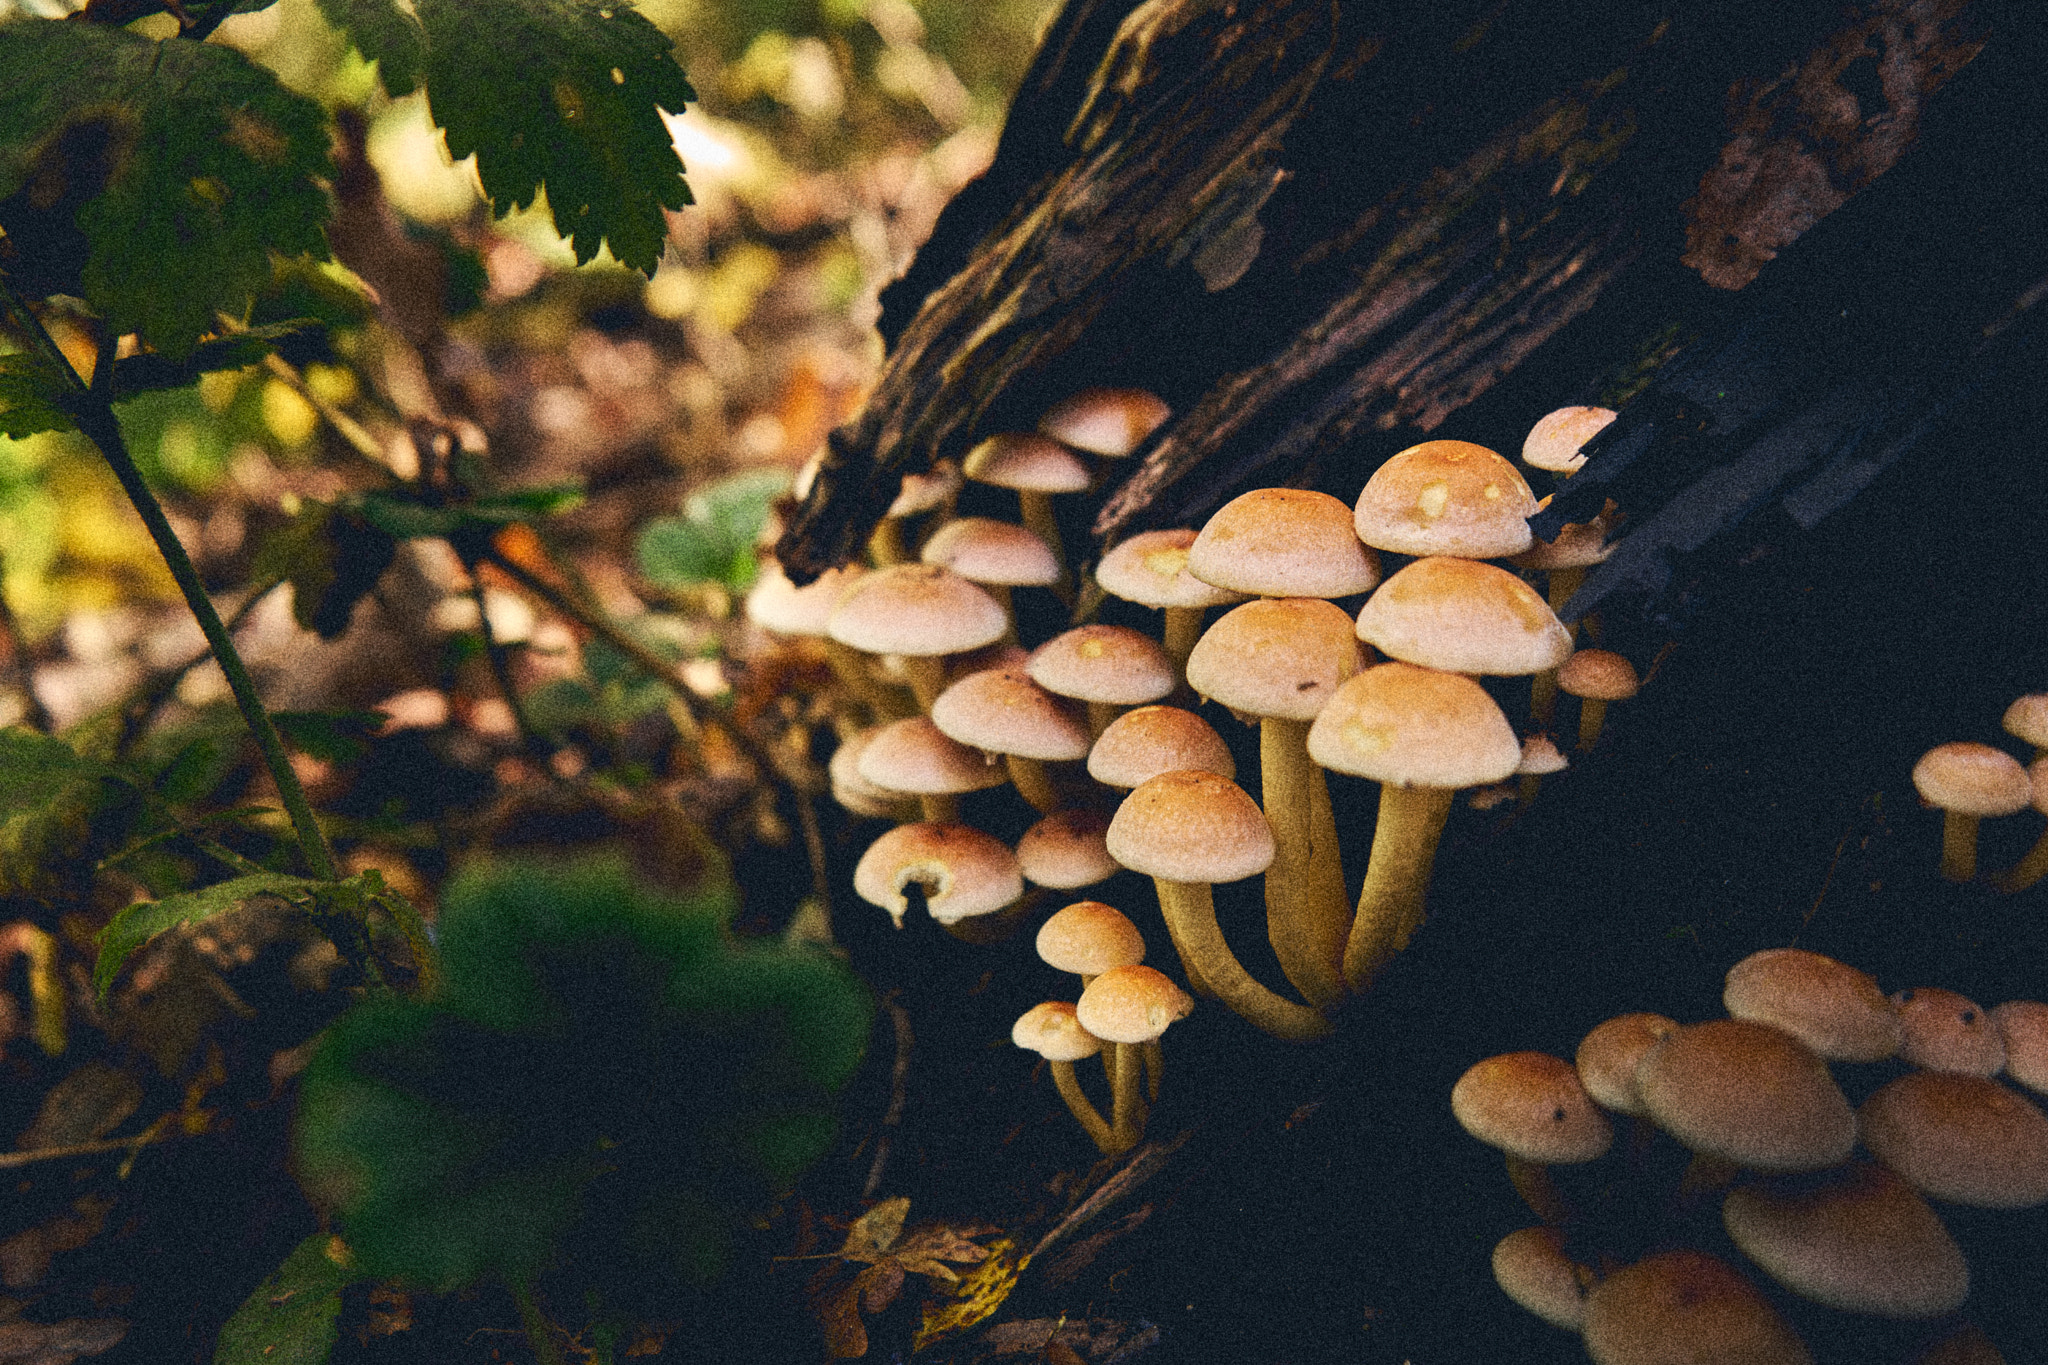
[
  {"x": 1139, "y": 745},
  {"x": 1608, "y": 1056},
  {"x": 1446, "y": 498},
  {"x": 1191, "y": 827},
  {"x": 1132, "y": 1004},
  {"x": 2023, "y": 1024},
  {"x": 1151, "y": 569},
  {"x": 984, "y": 550},
  {"x": 1463, "y": 616},
  {"x": 964, "y": 871},
  {"x": 1973, "y": 779},
  {"x": 1053, "y": 1031},
  {"x": 1275, "y": 656},
  {"x": 1284, "y": 542},
  {"x": 1109, "y": 422},
  {"x": 1553, "y": 443},
  {"x": 1684, "y": 1306},
  {"x": 774, "y": 603},
  {"x": 1088, "y": 938},
  {"x": 919, "y": 610},
  {"x": 1001, "y": 711},
  {"x": 1946, "y": 1031},
  {"x": 1110, "y": 664},
  {"x": 1414, "y": 727},
  {"x": 1830, "y": 1006},
  {"x": 1965, "y": 1139},
  {"x": 1578, "y": 544},
  {"x": 1748, "y": 1093},
  {"x": 1026, "y": 462},
  {"x": 1067, "y": 850},
  {"x": 1540, "y": 757},
  {"x": 1531, "y": 1105}
]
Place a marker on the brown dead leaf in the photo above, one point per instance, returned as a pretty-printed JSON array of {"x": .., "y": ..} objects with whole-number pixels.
[{"x": 877, "y": 1240}]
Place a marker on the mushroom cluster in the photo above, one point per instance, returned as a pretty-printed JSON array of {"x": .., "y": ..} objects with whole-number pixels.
[
  {"x": 1967, "y": 781},
  {"x": 1828, "y": 1200}
]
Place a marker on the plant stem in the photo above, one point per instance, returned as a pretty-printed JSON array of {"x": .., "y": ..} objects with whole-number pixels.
[{"x": 538, "y": 1333}]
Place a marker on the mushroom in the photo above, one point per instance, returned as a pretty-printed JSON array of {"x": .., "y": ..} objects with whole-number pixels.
[
  {"x": 1830, "y": 1006},
  {"x": 1141, "y": 744},
  {"x": 858, "y": 795},
  {"x": 1607, "y": 1058},
  {"x": 1054, "y": 1032},
  {"x": 1945, "y": 1031},
  {"x": 1553, "y": 443},
  {"x": 2027, "y": 720},
  {"x": 1463, "y": 616},
  {"x": 778, "y": 605},
  {"x": 918, "y": 493},
  {"x": 1966, "y": 782},
  {"x": 995, "y": 555},
  {"x": 1681, "y": 1307},
  {"x": 964, "y": 872},
  {"x": 1151, "y": 569},
  {"x": 1035, "y": 468},
  {"x": 1533, "y": 1107},
  {"x": 1748, "y": 1094},
  {"x": 913, "y": 756},
  {"x": 1089, "y": 938},
  {"x": 1596, "y": 677},
  {"x": 1284, "y": 542},
  {"x": 2034, "y": 865},
  {"x": 1067, "y": 850},
  {"x": 1130, "y": 1006},
  {"x": 1107, "y": 667},
  {"x": 921, "y": 612},
  {"x": 2023, "y": 1026},
  {"x": 1446, "y": 498},
  {"x": 1965, "y": 1139},
  {"x": 1104, "y": 421},
  {"x": 1531, "y": 1267},
  {"x": 1001, "y": 711}
]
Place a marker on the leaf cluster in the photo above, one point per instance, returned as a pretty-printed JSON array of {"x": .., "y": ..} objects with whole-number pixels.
[{"x": 713, "y": 541}]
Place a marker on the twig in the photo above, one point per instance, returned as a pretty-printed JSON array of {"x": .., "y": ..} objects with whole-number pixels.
[
  {"x": 899, "y": 1085},
  {"x": 10, "y": 1161},
  {"x": 501, "y": 667}
]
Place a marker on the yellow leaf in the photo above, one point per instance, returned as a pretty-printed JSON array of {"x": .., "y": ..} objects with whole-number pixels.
[{"x": 977, "y": 1296}]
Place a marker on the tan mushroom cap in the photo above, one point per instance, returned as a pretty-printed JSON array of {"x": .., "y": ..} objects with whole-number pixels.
[
  {"x": 1531, "y": 1105},
  {"x": 2023, "y": 1025},
  {"x": 1446, "y": 498},
  {"x": 1276, "y": 656},
  {"x": 918, "y": 610},
  {"x": 1948, "y": 1031},
  {"x": 774, "y": 603},
  {"x": 1191, "y": 827},
  {"x": 1598, "y": 675},
  {"x": 2027, "y": 719},
  {"x": 1747, "y": 1092},
  {"x": 921, "y": 492},
  {"x": 1141, "y": 744},
  {"x": 964, "y": 871},
  {"x": 855, "y": 792},
  {"x": 1111, "y": 422},
  {"x": 1111, "y": 664},
  {"x": 1966, "y": 1139},
  {"x": 1973, "y": 779},
  {"x": 1414, "y": 727},
  {"x": 1132, "y": 1004},
  {"x": 1531, "y": 1267},
  {"x": 1830, "y": 1006},
  {"x": 1053, "y": 1031},
  {"x": 1464, "y": 617},
  {"x": 1540, "y": 757},
  {"x": 2037, "y": 784},
  {"x": 1578, "y": 545},
  {"x": 1151, "y": 569},
  {"x": 1553, "y": 443},
  {"x": 984, "y": 550},
  {"x": 1088, "y": 938},
  {"x": 1608, "y": 1056},
  {"x": 1027, "y": 462},
  {"x": 1001, "y": 711},
  {"x": 915, "y": 756},
  {"x": 1686, "y": 1308},
  {"x": 1067, "y": 850},
  {"x": 1862, "y": 1242},
  {"x": 1284, "y": 542}
]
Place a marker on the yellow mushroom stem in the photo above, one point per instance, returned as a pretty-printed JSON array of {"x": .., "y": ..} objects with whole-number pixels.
[
  {"x": 2027, "y": 870},
  {"x": 1564, "y": 585},
  {"x": 850, "y": 667},
  {"x": 1069, "y": 1086},
  {"x": 1543, "y": 698},
  {"x": 939, "y": 809},
  {"x": 1036, "y": 509},
  {"x": 1155, "y": 1069},
  {"x": 1307, "y": 912},
  {"x": 927, "y": 674},
  {"x": 1183, "y": 627},
  {"x": 1533, "y": 1182},
  {"x": 1404, "y": 840},
  {"x": 1958, "y": 845},
  {"x": 1100, "y": 715},
  {"x": 885, "y": 546},
  {"x": 45, "y": 985},
  {"x": 1033, "y": 783},
  {"x": 1190, "y": 912},
  {"x": 1592, "y": 715},
  {"x": 1127, "y": 1112},
  {"x": 1001, "y": 592}
]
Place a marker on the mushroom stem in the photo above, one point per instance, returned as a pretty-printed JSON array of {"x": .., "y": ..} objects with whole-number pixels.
[
  {"x": 1592, "y": 715},
  {"x": 850, "y": 667},
  {"x": 1543, "y": 698},
  {"x": 1538, "y": 1190},
  {"x": 1127, "y": 1113},
  {"x": 1564, "y": 585},
  {"x": 2027, "y": 870},
  {"x": 1100, "y": 715},
  {"x": 885, "y": 546},
  {"x": 1307, "y": 915},
  {"x": 1190, "y": 912},
  {"x": 1411, "y": 820},
  {"x": 1001, "y": 592},
  {"x": 1155, "y": 1068},
  {"x": 1036, "y": 509},
  {"x": 1069, "y": 1086},
  {"x": 939, "y": 809},
  {"x": 1958, "y": 846},
  {"x": 927, "y": 678},
  {"x": 1033, "y": 783},
  {"x": 1183, "y": 628}
]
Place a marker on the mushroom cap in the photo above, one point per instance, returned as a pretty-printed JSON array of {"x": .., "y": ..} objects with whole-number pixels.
[
  {"x": 1972, "y": 779},
  {"x": 1002, "y": 711},
  {"x": 2037, "y": 784},
  {"x": 1027, "y": 462},
  {"x": 1599, "y": 675},
  {"x": 919, "y": 610},
  {"x": 1067, "y": 850},
  {"x": 924, "y": 490},
  {"x": 1966, "y": 1139},
  {"x": 1414, "y": 727},
  {"x": 774, "y": 603},
  {"x": 984, "y": 550},
  {"x": 1578, "y": 544},
  {"x": 1553, "y": 443},
  {"x": 1945, "y": 1031},
  {"x": 1531, "y": 1267},
  {"x": 1686, "y": 1308},
  {"x": 1275, "y": 656},
  {"x": 1747, "y": 1092},
  {"x": 1608, "y": 1056},
  {"x": 1446, "y": 498},
  {"x": 2027, "y": 719},
  {"x": 2023, "y": 1024},
  {"x": 964, "y": 871},
  {"x": 1151, "y": 569},
  {"x": 1132, "y": 1004},
  {"x": 1111, "y": 422},
  {"x": 1088, "y": 938},
  {"x": 1830, "y": 1006},
  {"x": 1151, "y": 740},
  {"x": 855, "y": 792},
  {"x": 1284, "y": 542},
  {"x": 915, "y": 756},
  {"x": 1541, "y": 757},
  {"x": 1965, "y": 1345},
  {"x": 1863, "y": 1241},
  {"x": 1111, "y": 664},
  {"x": 1191, "y": 827},
  {"x": 1531, "y": 1105},
  {"x": 1053, "y": 1031},
  {"x": 1464, "y": 617}
]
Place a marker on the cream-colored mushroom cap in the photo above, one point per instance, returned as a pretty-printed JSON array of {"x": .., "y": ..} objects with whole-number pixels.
[
  {"x": 1151, "y": 569},
  {"x": 1446, "y": 498},
  {"x": 1414, "y": 727},
  {"x": 1067, "y": 850},
  {"x": 914, "y": 756},
  {"x": 1141, "y": 744},
  {"x": 1112, "y": 422},
  {"x": 1747, "y": 1092},
  {"x": 1971, "y": 778},
  {"x": 1830, "y": 1006},
  {"x": 1464, "y": 617},
  {"x": 919, "y": 610},
  {"x": 855, "y": 792},
  {"x": 1861, "y": 1242},
  {"x": 1284, "y": 542},
  {"x": 774, "y": 603},
  {"x": 1686, "y": 1308},
  {"x": 1947, "y": 1031},
  {"x": 1608, "y": 1056},
  {"x": 1531, "y": 1267},
  {"x": 1540, "y": 757},
  {"x": 1054, "y": 1032},
  {"x": 1276, "y": 656},
  {"x": 1111, "y": 664},
  {"x": 1966, "y": 1139},
  {"x": 1088, "y": 938},
  {"x": 1132, "y": 1004},
  {"x": 1598, "y": 675},
  {"x": 1553, "y": 443},
  {"x": 1191, "y": 827},
  {"x": 2023, "y": 1024},
  {"x": 1002, "y": 711},
  {"x": 1531, "y": 1105},
  {"x": 984, "y": 550},
  {"x": 2027, "y": 719},
  {"x": 964, "y": 871},
  {"x": 921, "y": 492},
  {"x": 1027, "y": 462}
]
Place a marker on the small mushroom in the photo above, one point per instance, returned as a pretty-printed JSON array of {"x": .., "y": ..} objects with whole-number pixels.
[{"x": 1966, "y": 782}]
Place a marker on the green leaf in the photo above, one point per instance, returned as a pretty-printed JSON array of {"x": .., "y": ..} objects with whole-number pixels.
[
  {"x": 401, "y": 514},
  {"x": 51, "y": 800},
  {"x": 384, "y": 32},
  {"x": 33, "y": 765},
  {"x": 291, "y": 1318},
  {"x": 140, "y": 923},
  {"x": 332, "y": 557},
  {"x": 155, "y": 179},
  {"x": 29, "y": 392},
  {"x": 713, "y": 541},
  {"x": 148, "y": 372},
  {"x": 330, "y": 736}
]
